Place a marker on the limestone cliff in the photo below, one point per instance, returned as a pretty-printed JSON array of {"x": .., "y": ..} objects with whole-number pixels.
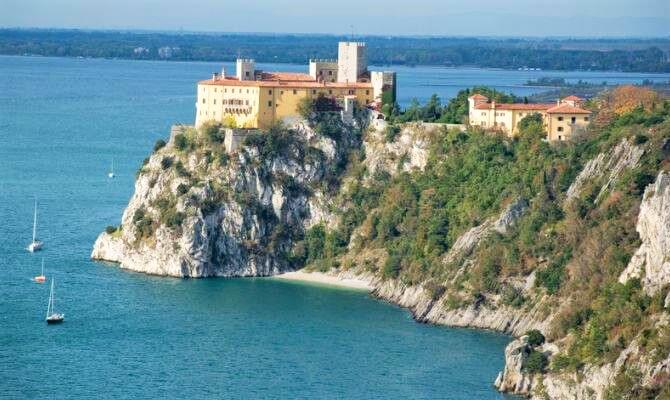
[
  {"x": 237, "y": 214},
  {"x": 651, "y": 261}
]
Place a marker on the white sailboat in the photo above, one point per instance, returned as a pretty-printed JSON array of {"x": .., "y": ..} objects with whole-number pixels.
[
  {"x": 111, "y": 171},
  {"x": 41, "y": 278},
  {"x": 35, "y": 245},
  {"x": 52, "y": 316}
]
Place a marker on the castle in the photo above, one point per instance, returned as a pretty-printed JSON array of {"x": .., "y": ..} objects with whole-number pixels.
[
  {"x": 258, "y": 99},
  {"x": 562, "y": 119}
]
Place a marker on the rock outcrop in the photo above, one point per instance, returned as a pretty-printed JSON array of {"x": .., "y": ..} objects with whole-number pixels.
[
  {"x": 607, "y": 168},
  {"x": 651, "y": 261},
  {"x": 467, "y": 242},
  {"x": 231, "y": 213},
  {"x": 513, "y": 379}
]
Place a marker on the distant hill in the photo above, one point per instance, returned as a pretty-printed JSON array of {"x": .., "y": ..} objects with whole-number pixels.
[{"x": 630, "y": 55}]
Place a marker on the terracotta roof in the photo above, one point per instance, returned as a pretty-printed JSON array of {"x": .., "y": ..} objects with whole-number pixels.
[
  {"x": 567, "y": 109},
  {"x": 285, "y": 76},
  {"x": 285, "y": 79},
  {"x": 478, "y": 96},
  {"x": 572, "y": 98},
  {"x": 515, "y": 106}
]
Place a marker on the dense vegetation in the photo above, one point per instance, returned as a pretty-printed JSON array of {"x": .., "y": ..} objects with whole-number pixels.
[
  {"x": 640, "y": 55},
  {"x": 577, "y": 248},
  {"x": 454, "y": 112}
]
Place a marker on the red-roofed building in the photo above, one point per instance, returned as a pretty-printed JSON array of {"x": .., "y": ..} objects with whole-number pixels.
[
  {"x": 257, "y": 99},
  {"x": 562, "y": 119}
]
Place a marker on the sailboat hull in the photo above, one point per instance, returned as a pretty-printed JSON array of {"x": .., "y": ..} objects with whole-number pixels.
[
  {"x": 34, "y": 246},
  {"x": 54, "y": 320}
]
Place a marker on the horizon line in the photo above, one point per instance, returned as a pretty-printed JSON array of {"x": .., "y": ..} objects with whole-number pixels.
[{"x": 372, "y": 35}]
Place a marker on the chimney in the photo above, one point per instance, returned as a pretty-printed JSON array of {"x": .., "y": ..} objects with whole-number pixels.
[
  {"x": 215, "y": 76},
  {"x": 493, "y": 104}
]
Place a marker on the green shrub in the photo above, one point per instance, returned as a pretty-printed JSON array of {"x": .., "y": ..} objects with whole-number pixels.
[
  {"x": 315, "y": 239},
  {"x": 166, "y": 162},
  {"x": 160, "y": 143},
  {"x": 535, "y": 337},
  {"x": 391, "y": 268},
  {"x": 182, "y": 189},
  {"x": 512, "y": 297},
  {"x": 110, "y": 229},
  {"x": 535, "y": 363},
  {"x": 391, "y": 132},
  {"x": 143, "y": 223},
  {"x": 175, "y": 219},
  {"x": 224, "y": 158},
  {"x": 181, "y": 142},
  {"x": 181, "y": 170},
  {"x": 214, "y": 134}
]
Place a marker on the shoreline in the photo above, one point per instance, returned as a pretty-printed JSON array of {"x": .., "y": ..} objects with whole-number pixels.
[{"x": 325, "y": 279}]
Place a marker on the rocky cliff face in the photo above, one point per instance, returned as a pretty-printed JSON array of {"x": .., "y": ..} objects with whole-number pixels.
[
  {"x": 608, "y": 167},
  {"x": 233, "y": 213},
  {"x": 651, "y": 262}
]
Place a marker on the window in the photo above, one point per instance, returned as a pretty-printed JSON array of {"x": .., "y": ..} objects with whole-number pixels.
[
  {"x": 351, "y": 92},
  {"x": 560, "y": 137},
  {"x": 560, "y": 129},
  {"x": 214, "y": 101},
  {"x": 247, "y": 102},
  {"x": 573, "y": 119},
  {"x": 320, "y": 72},
  {"x": 247, "y": 90},
  {"x": 560, "y": 118},
  {"x": 270, "y": 91},
  {"x": 270, "y": 103},
  {"x": 330, "y": 72},
  {"x": 313, "y": 91},
  {"x": 586, "y": 118},
  {"x": 225, "y": 90},
  {"x": 281, "y": 92},
  {"x": 295, "y": 91},
  {"x": 246, "y": 73},
  {"x": 204, "y": 101},
  {"x": 367, "y": 92}
]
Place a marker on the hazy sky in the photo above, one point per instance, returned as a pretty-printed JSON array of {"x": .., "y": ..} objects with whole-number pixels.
[{"x": 424, "y": 17}]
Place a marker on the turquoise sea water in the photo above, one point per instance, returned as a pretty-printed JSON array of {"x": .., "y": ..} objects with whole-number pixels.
[{"x": 129, "y": 335}]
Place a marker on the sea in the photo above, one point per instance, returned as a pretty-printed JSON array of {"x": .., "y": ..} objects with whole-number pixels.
[{"x": 63, "y": 121}]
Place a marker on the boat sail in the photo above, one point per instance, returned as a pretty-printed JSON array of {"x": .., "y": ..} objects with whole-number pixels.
[
  {"x": 40, "y": 278},
  {"x": 52, "y": 316},
  {"x": 35, "y": 245}
]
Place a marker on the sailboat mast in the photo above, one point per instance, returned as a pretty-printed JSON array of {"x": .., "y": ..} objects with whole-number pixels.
[
  {"x": 51, "y": 293},
  {"x": 35, "y": 222},
  {"x": 42, "y": 274}
]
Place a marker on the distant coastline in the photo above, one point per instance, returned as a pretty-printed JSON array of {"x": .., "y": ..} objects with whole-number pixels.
[{"x": 561, "y": 54}]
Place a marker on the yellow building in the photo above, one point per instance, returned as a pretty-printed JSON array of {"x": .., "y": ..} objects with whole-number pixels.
[
  {"x": 257, "y": 99},
  {"x": 562, "y": 119}
]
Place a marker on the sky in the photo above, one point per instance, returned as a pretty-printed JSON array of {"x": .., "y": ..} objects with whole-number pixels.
[{"x": 576, "y": 18}]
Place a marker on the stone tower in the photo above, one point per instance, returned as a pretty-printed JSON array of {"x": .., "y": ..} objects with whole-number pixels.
[
  {"x": 352, "y": 61},
  {"x": 245, "y": 69}
]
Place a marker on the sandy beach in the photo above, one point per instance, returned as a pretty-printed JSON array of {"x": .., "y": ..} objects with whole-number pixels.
[{"x": 320, "y": 277}]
